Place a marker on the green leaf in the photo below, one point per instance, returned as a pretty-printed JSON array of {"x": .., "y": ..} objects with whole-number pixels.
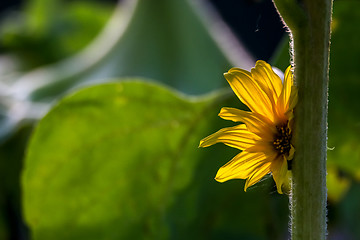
[
  {"x": 103, "y": 159},
  {"x": 120, "y": 161}
]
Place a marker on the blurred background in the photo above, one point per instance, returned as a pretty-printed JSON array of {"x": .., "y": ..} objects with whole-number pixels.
[{"x": 121, "y": 161}]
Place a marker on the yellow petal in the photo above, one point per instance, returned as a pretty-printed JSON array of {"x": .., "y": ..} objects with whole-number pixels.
[
  {"x": 267, "y": 80},
  {"x": 257, "y": 175},
  {"x": 249, "y": 92},
  {"x": 279, "y": 170},
  {"x": 256, "y": 123},
  {"x": 241, "y": 166},
  {"x": 264, "y": 145},
  {"x": 284, "y": 97},
  {"x": 238, "y": 137},
  {"x": 291, "y": 153},
  {"x": 293, "y": 98},
  {"x": 286, "y": 187}
]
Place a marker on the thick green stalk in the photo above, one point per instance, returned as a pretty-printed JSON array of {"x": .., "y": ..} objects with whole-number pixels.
[{"x": 309, "y": 23}]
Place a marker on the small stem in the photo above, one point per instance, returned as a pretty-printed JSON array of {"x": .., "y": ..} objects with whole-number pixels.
[{"x": 309, "y": 23}]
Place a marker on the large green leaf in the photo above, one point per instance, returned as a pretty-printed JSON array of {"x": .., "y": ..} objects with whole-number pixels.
[{"x": 120, "y": 161}]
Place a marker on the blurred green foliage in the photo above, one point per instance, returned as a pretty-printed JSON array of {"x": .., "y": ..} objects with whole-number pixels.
[
  {"x": 169, "y": 41},
  {"x": 120, "y": 160},
  {"x": 344, "y": 98},
  {"x": 49, "y": 30}
]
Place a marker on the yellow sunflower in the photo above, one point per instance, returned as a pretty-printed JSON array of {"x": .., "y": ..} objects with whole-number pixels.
[{"x": 265, "y": 134}]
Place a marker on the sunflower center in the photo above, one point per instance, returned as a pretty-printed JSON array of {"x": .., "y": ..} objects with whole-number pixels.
[{"x": 282, "y": 139}]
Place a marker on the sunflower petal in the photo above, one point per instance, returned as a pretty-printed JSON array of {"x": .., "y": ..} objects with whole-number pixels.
[
  {"x": 293, "y": 98},
  {"x": 284, "y": 97},
  {"x": 257, "y": 176},
  {"x": 267, "y": 79},
  {"x": 291, "y": 153},
  {"x": 279, "y": 170},
  {"x": 264, "y": 145},
  {"x": 238, "y": 137},
  {"x": 254, "y": 122},
  {"x": 249, "y": 91},
  {"x": 241, "y": 166}
]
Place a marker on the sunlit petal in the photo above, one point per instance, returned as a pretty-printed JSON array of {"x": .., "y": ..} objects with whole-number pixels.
[
  {"x": 267, "y": 79},
  {"x": 254, "y": 122},
  {"x": 279, "y": 170},
  {"x": 293, "y": 98},
  {"x": 249, "y": 92},
  {"x": 237, "y": 137},
  {"x": 263, "y": 145},
  {"x": 257, "y": 175},
  {"x": 283, "y": 101},
  {"x": 241, "y": 166}
]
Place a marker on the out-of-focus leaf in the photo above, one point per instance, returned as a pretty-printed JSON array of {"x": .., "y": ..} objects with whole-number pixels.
[
  {"x": 344, "y": 86},
  {"x": 46, "y": 31},
  {"x": 120, "y": 161},
  {"x": 337, "y": 184},
  {"x": 164, "y": 40},
  {"x": 349, "y": 213},
  {"x": 344, "y": 98}
]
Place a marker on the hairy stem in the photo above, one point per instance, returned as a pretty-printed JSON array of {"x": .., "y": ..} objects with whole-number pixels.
[{"x": 309, "y": 23}]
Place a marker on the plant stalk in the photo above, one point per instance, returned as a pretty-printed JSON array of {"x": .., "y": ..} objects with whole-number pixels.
[{"x": 309, "y": 24}]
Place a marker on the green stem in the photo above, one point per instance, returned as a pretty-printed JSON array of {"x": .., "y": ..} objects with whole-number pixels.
[{"x": 309, "y": 23}]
